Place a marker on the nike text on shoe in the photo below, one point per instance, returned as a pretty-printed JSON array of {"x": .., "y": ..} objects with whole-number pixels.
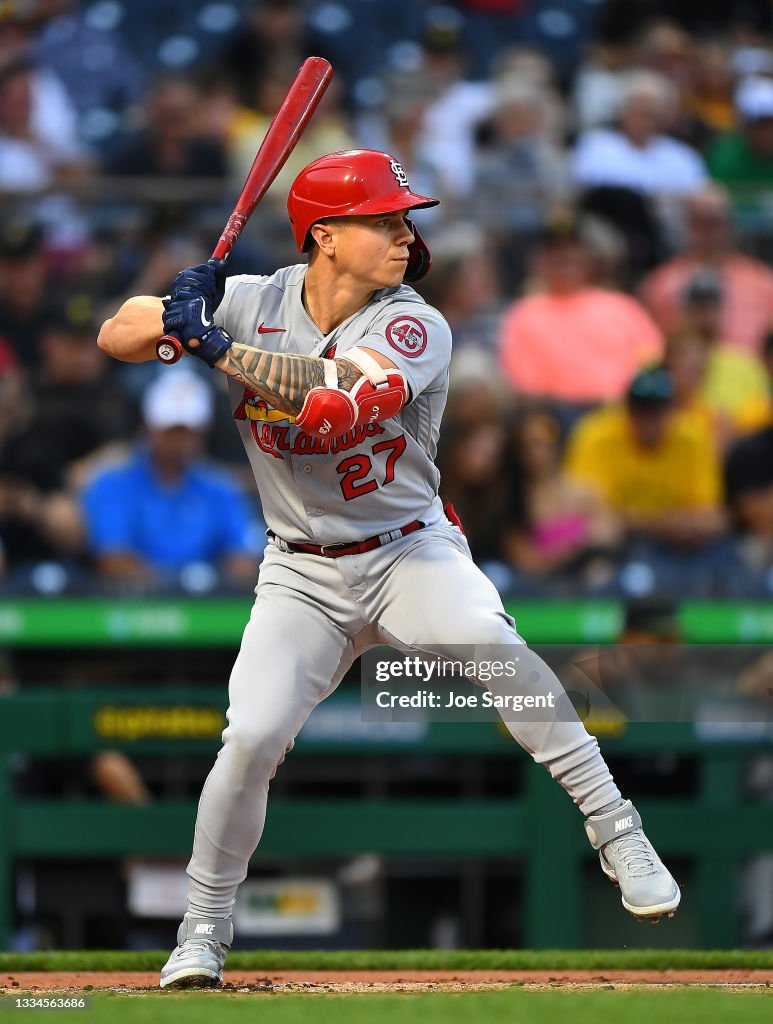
[
  {"x": 198, "y": 959},
  {"x": 627, "y": 857}
]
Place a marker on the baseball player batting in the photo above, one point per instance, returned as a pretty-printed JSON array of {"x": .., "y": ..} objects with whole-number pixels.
[{"x": 338, "y": 373}]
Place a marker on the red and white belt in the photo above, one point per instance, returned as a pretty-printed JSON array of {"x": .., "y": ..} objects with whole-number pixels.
[{"x": 357, "y": 548}]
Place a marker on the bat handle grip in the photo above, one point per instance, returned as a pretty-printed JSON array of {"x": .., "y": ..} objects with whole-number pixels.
[{"x": 168, "y": 349}]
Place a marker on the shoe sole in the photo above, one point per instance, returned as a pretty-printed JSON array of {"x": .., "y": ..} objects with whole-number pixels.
[
  {"x": 192, "y": 977},
  {"x": 652, "y": 914}
]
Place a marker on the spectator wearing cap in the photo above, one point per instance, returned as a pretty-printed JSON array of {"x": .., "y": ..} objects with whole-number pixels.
[
  {"x": 710, "y": 376},
  {"x": 24, "y": 288},
  {"x": 75, "y": 406},
  {"x": 746, "y": 305},
  {"x": 655, "y": 467},
  {"x": 743, "y": 160},
  {"x": 159, "y": 517},
  {"x": 69, "y": 414},
  {"x": 572, "y": 341}
]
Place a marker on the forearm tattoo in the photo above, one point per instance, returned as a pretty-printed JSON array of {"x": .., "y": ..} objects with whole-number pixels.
[{"x": 282, "y": 379}]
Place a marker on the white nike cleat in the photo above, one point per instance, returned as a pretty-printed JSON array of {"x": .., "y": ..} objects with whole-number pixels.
[
  {"x": 628, "y": 859},
  {"x": 199, "y": 957}
]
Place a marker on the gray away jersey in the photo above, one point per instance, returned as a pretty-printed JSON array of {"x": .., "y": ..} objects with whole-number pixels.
[{"x": 373, "y": 479}]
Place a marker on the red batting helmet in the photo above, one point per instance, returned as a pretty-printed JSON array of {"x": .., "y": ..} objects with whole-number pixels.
[{"x": 353, "y": 182}]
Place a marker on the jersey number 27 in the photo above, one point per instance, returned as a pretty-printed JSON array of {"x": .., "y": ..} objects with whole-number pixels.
[{"x": 355, "y": 471}]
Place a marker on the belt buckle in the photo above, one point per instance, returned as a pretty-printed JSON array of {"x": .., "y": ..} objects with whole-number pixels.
[{"x": 323, "y": 549}]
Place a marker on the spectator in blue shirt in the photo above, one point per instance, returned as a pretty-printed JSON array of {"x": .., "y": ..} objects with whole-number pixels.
[{"x": 166, "y": 517}]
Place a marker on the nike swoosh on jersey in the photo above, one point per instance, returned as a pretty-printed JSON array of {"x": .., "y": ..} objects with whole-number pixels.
[{"x": 271, "y": 330}]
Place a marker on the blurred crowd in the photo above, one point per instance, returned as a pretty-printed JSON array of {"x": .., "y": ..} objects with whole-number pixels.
[{"x": 602, "y": 253}]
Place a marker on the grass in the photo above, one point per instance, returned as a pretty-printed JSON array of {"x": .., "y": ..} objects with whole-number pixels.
[
  {"x": 677, "y": 1006},
  {"x": 406, "y": 959}
]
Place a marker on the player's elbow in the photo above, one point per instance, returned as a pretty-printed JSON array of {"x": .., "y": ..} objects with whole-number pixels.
[
  {"x": 320, "y": 417},
  {"x": 104, "y": 338},
  {"x": 332, "y": 411},
  {"x": 131, "y": 334},
  {"x": 110, "y": 339}
]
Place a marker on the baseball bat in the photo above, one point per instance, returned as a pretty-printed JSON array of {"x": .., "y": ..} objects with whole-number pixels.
[{"x": 282, "y": 136}]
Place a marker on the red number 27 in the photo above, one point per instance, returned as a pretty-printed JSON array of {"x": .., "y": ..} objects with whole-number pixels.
[{"x": 354, "y": 470}]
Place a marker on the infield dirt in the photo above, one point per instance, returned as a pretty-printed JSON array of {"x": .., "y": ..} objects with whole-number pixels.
[{"x": 388, "y": 981}]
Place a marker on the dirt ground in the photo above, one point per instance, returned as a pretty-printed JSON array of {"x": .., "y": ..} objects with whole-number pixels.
[{"x": 385, "y": 981}]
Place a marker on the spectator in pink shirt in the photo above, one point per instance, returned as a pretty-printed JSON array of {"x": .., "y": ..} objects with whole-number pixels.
[
  {"x": 747, "y": 284},
  {"x": 572, "y": 341}
]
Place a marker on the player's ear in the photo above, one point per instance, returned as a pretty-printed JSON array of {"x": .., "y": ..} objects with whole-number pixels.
[{"x": 324, "y": 234}]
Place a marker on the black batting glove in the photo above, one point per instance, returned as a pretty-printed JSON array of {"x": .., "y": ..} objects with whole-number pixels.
[
  {"x": 187, "y": 320},
  {"x": 189, "y": 310},
  {"x": 205, "y": 280}
]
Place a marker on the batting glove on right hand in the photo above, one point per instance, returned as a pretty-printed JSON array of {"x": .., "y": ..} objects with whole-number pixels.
[{"x": 205, "y": 280}]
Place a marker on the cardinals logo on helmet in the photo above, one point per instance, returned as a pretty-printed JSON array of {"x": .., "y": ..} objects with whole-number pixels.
[{"x": 399, "y": 173}]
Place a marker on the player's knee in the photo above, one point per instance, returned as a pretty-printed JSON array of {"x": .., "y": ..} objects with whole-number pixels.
[
  {"x": 498, "y": 628},
  {"x": 253, "y": 754},
  {"x": 484, "y": 629}
]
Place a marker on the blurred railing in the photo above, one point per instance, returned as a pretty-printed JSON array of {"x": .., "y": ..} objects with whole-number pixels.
[
  {"x": 752, "y": 203},
  {"x": 185, "y": 622},
  {"x": 715, "y": 830}
]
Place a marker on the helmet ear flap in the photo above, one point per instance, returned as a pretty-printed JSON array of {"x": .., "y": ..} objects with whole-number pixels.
[{"x": 419, "y": 257}]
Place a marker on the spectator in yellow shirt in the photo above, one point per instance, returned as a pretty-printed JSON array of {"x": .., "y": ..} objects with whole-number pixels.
[
  {"x": 757, "y": 411},
  {"x": 732, "y": 375},
  {"x": 656, "y": 467}
]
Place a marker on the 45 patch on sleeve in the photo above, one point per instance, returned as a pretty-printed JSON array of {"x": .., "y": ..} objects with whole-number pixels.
[{"x": 407, "y": 335}]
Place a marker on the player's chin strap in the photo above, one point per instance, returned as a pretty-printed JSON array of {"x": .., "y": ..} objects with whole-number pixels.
[
  {"x": 330, "y": 411},
  {"x": 419, "y": 257}
]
